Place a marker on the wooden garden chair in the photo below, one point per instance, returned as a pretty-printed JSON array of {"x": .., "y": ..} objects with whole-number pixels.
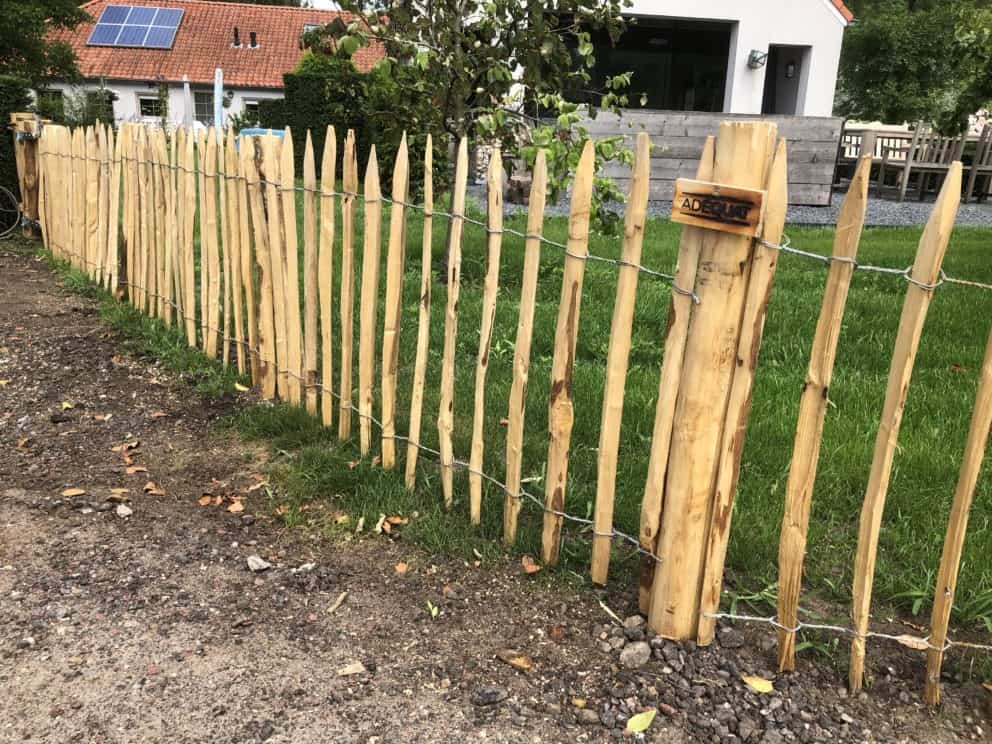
[
  {"x": 981, "y": 167},
  {"x": 929, "y": 156}
]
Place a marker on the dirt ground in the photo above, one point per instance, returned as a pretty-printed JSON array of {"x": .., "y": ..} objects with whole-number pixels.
[{"x": 134, "y": 617}]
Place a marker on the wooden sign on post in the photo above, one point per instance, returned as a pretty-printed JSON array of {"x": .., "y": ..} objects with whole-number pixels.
[{"x": 717, "y": 207}]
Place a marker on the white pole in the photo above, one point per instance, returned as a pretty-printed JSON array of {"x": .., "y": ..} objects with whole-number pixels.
[
  {"x": 187, "y": 104},
  {"x": 218, "y": 101}
]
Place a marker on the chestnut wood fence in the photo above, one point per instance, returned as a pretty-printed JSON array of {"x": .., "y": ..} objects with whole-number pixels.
[{"x": 200, "y": 230}]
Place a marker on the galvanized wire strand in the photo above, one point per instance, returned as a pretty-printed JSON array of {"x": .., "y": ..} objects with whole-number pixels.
[
  {"x": 908, "y": 640},
  {"x": 522, "y": 494},
  {"x": 589, "y": 257}
]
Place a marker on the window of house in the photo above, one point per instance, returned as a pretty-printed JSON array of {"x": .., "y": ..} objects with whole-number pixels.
[
  {"x": 203, "y": 103},
  {"x": 150, "y": 107},
  {"x": 251, "y": 110}
]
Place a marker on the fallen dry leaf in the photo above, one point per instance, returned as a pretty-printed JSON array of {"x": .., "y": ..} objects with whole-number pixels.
[
  {"x": 120, "y": 491},
  {"x": 22, "y": 442},
  {"x": 397, "y": 520},
  {"x": 74, "y": 492},
  {"x": 241, "y": 388},
  {"x": 375, "y": 461},
  {"x": 218, "y": 500},
  {"x": 530, "y": 565},
  {"x": 557, "y": 633},
  {"x": 516, "y": 659},
  {"x": 133, "y": 444},
  {"x": 504, "y": 422},
  {"x": 4, "y": 383},
  {"x": 915, "y": 642},
  {"x": 354, "y": 464},
  {"x": 205, "y": 500},
  {"x": 152, "y": 489},
  {"x": 640, "y": 722},
  {"x": 159, "y": 414},
  {"x": 68, "y": 405},
  {"x": 337, "y": 603},
  {"x": 402, "y": 568},
  {"x": 131, "y": 470},
  {"x": 282, "y": 509},
  {"x": 758, "y": 684},
  {"x": 356, "y": 667},
  {"x": 236, "y": 507},
  {"x": 579, "y": 703},
  {"x": 987, "y": 686}
]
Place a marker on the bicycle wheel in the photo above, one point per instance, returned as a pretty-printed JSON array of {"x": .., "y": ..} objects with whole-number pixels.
[{"x": 10, "y": 213}]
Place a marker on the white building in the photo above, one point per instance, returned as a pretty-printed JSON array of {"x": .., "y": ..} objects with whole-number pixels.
[
  {"x": 140, "y": 49},
  {"x": 731, "y": 56}
]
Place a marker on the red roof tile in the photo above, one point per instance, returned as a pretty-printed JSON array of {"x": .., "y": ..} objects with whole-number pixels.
[
  {"x": 843, "y": 10},
  {"x": 203, "y": 43}
]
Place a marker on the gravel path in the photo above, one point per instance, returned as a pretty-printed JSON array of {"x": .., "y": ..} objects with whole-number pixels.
[
  {"x": 881, "y": 212},
  {"x": 140, "y": 603}
]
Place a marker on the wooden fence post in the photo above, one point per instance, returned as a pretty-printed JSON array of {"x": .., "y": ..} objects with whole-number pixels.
[
  {"x": 617, "y": 359},
  {"x": 224, "y": 209},
  {"x": 764, "y": 261},
  {"x": 209, "y": 228},
  {"x": 113, "y": 210},
  {"x": 423, "y": 320},
  {"x": 446, "y": 411},
  {"x": 925, "y": 273},
  {"x": 103, "y": 199},
  {"x": 494, "y": 242},
  {"x": 560, "y": 407},
  {"x": 247, "y": 275},
  {"x": 957, "y": 526},
  {"x": 188, "y": 177},
  {"x": 311, "y": 284},
  {"x": 813, "y": 411},
  {"x": 679, "y": 312},
  {"x": 368, "y": 301},
  {"x": 238, "y": 228},
  {"x": 325, "y": 272},
  {"x": 393, "y": 304},
  {"x": 347, "y": 299},
  {"x": 521, "y": 352},
  {"x": 91, "y": 201},
  {"x": 743, "y": 153}
]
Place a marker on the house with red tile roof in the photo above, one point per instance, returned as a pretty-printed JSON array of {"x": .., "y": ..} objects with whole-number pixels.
[{"x": 140, "y": 49}]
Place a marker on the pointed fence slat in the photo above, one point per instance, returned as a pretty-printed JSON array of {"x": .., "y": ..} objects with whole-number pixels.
[
  {"x": 274, "y": 218},
  {"x": 188, "y": 176},
  {"x": 494, "y": 242},
  {"x": 252, "y": 153},
  {"x": 238, "y": 232},
  {"x": 325, "y": 273},
  {"x": 224, "y": 210},
  {"x": 446, "y": 411},
  {"x": 246, "y": 260},
  {"x": 925, "y": 271},
  {"x": 310, "y": 276},
  {"x": 393, "y": 302},
  {"x": 294, "y": 329},
  {"x": 813, "y": 411},
  {"x": 521, "y": 351},
  {"x": 561, "y": 414},
  {"x": 617, "y": 358},
  {"x": 423, "y": 320},
  {"x": 957, "y": 526},
  {"x": 347, "y": 298},
  {"x": 369, "y": 302}
]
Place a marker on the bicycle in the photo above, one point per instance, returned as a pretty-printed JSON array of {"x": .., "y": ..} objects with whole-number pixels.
[{"x": 10, "y": 213}]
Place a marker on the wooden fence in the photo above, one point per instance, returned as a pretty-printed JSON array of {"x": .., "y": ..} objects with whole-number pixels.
[{"x": 201, "y": 231}]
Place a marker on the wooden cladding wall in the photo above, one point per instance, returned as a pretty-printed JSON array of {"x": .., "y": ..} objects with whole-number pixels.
[{"x": 677, "y": 138}]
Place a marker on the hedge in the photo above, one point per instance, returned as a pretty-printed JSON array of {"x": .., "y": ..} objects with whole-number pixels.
[{"x": 14, "y": 96}]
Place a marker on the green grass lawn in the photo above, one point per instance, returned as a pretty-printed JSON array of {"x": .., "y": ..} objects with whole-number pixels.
[{"x": 313, "y": 466}]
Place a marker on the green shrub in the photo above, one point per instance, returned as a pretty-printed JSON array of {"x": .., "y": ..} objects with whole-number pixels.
[{"x": 14, "y": 96}]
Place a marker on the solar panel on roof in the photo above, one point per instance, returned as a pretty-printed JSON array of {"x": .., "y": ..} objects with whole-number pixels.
[{"x": 145, "y": 26}]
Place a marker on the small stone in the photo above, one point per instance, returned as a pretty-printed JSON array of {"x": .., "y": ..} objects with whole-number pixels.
[
  {"x": 633, "y": 634},
  {"x": 304, "y": 568},
  {"x": 617, "y": 643},
  {"x": 27, "y": 642},
  {"x": 635, "y": 655},
  {"x": 268, "y": 728},
  {"x": 487, "y": 695},
  {"x": 634, "y": 621},
  {"x": 247, "y": 520},
  {"x": 124, "y": 511},
  {"x": 256, "y": 564},
  {"x": 730, "y": 638},
  {"x": 587, "y": 716}
]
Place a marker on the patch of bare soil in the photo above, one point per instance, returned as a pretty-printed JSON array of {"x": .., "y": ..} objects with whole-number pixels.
[{"x": 134, "y": 616}]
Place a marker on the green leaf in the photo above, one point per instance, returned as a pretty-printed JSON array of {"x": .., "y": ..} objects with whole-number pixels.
[
  {"x": 349, "y": 45},
  {"x": 640, "y": 722}
]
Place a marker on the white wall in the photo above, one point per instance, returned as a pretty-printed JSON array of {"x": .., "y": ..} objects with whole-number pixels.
[
  {"x": 126, "y": 106},
  {"x": 759, "y": 23}
]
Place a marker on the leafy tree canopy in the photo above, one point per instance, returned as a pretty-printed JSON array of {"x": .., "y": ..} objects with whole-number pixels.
[
  {"x": 906, "y": 60},
  {"x": 26, "y": 50}
]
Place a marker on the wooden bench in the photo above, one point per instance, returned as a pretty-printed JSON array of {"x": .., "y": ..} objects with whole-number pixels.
[
  {"x": 930, "y": 156},
  {"x": 981, "y": 167}
]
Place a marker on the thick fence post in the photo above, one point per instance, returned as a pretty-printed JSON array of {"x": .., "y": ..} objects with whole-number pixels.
[
  {"x": 325, "y": 272},
  {"x": 251, "y": 154},
  {"x": 26, "y": 131},
  {"x": 919, "y": 293},
  {"x": 743, "y": 153}
]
